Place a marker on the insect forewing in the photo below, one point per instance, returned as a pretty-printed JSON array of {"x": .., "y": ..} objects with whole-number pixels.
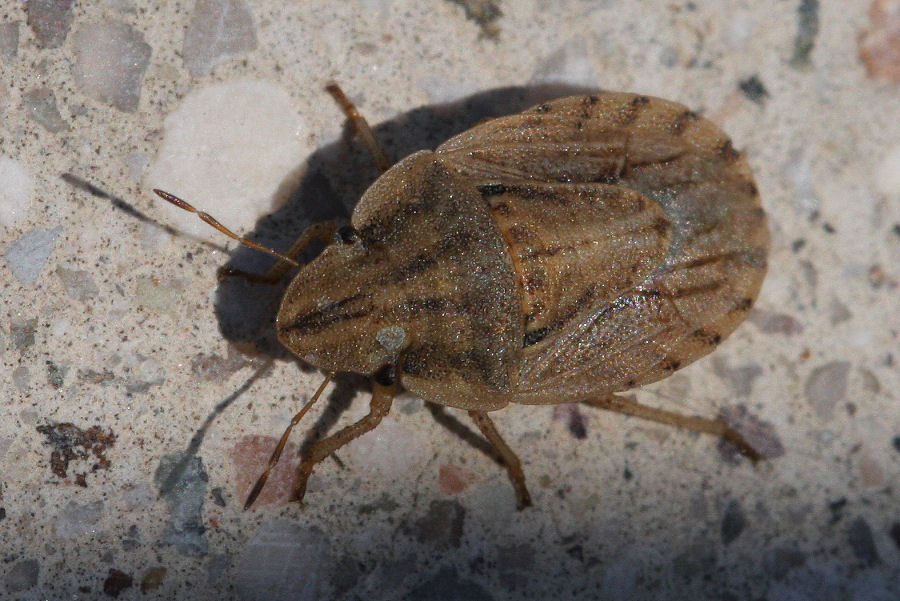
[{"x": 670, "y": 273}]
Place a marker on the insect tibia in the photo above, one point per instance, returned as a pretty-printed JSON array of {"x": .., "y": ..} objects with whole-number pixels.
[
  {"x": 276, "y": 454},
  {"x": 209, "y": 219}
]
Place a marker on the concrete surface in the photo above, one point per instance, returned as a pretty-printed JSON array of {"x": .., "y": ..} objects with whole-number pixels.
[{"x": 142, "y": 396}]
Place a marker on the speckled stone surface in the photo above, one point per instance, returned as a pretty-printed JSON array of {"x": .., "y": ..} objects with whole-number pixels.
[{"x": 142, "y": 395}]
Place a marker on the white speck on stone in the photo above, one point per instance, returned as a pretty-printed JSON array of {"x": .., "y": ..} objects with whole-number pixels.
[
  {"x": 570, "y": 64},
  {"x": 110, "y": 60},
  {"x": 284, "y": 561},
  {"x": 9, "y": 40},
  {"x": 219, "y": 30},
  {"x": 388, "y": 451},
  {"x": 887, "y": 174},
  {"x": 28, "y": 254},
  {"x": 16, "y": 191},
  {"x": 227, "y": 150},
  {"x": 78, "y": 521},
  {"x": 799, "y": 173}
]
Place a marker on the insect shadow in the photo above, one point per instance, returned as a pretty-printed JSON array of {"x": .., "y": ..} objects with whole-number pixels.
[{"x": 326, "y": 188}]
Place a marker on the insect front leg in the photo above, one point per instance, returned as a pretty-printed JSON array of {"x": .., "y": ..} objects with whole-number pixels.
[
  {"x": 380, "y": 405},
  {"x": 716, "y": 427},
  {"x": 510, "y": 459},
  {"x": 323, "y": 232}
]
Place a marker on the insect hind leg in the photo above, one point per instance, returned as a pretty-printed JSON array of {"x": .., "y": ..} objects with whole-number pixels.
[
  {"x": 510, "y": 459},
  {"x": 716, "y": 427}
]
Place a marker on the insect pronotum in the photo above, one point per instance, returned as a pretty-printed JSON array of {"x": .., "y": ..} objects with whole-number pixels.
[{"x": 578, "y": 249}]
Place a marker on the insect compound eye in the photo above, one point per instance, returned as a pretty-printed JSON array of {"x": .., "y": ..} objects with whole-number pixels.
[
  {"x": 346, "y": 234},
  {"x": 386, "y": 376}
]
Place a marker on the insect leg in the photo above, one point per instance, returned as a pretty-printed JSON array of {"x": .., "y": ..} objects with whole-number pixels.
[
  {"x": 318, "y": 231},
  {"x": 276, "y": 454},
  {"x": 359, "y": 123},
  {"x": 716, "y": 427},
  {"x": 380, "y": 405},
  {"x": 510, "y": 459}
]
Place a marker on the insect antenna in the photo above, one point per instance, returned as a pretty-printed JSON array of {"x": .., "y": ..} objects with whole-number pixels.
[
  {"x": 276, "y": 454},
  {"x": 207, "y": 218}
]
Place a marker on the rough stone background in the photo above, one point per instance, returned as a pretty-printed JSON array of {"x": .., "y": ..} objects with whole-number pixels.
[{"x": 141, "y": 396}]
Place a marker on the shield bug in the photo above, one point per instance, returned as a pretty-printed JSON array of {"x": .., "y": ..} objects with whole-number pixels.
[{"x": 578, "y": 249}]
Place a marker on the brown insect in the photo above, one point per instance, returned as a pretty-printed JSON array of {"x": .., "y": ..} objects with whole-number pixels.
[{"x": 581, "y": 248}]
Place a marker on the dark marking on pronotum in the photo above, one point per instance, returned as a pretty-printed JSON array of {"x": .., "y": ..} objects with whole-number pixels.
[
  {"x": 417, "y": 306},
  {"x": 543, "y": 193},
  {"x": 501, "y": 208},
  {"x": 704, "y": 288},
  {"x": 679, "y": 124},
  {"x": 661, "y": 226},
  {"x": 751, "y": 188},
  {"x": 533, "y": 282},
  {"x": 710, "y": 338},
  {"x": 320, "y": 319},
  {"x": 542, "y": 108},
  {"x": 535, "y": 336},
  {"x": 727, "y": 151},
  {"x": 520, "y": 233},
  {"x": 754, "y": 257},
  {"x": 492, "y": 189},
  {"x": 537, "y": 308},
  {"x": 758, "y": 214},
  {"x": 708, "y": 260},
  {"x": 744, "y": 304},
  {"x": 629, "y": 112},
  {"x": 418, "y": 264},
  {"x": 670, "y": 364}
]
